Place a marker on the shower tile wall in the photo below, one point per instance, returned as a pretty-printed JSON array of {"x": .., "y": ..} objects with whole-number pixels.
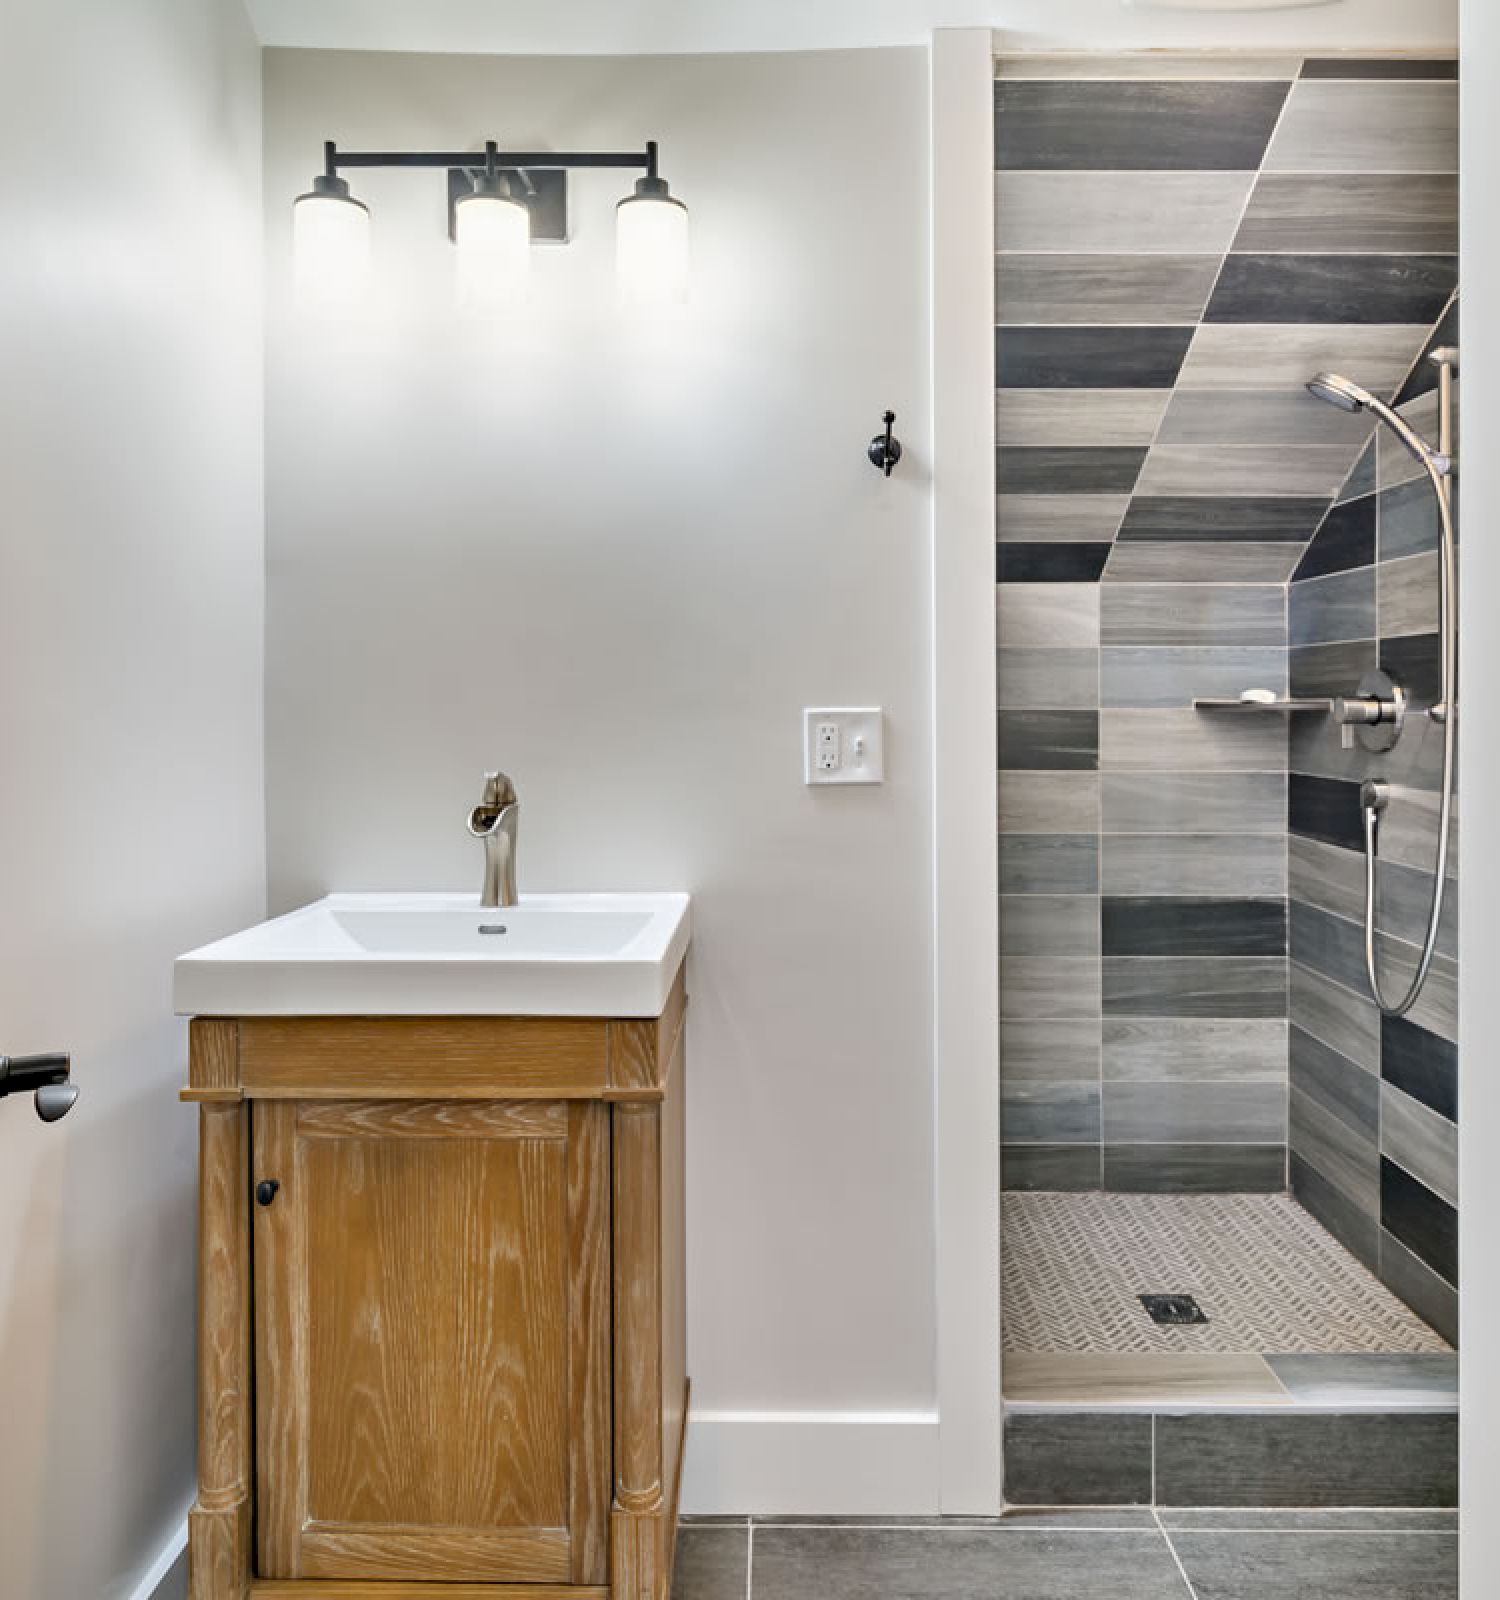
[
  {"x": 1374, "y": 1102},
  {"x": 1181, "y": 243}
]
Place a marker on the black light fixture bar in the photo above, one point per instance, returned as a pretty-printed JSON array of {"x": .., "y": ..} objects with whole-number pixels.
[{"x": 492, "y": 156}]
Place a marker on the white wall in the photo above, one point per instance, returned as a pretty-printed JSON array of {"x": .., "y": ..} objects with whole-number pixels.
[
  {"x": 130, "y": 732},
  {"x": 1479, "y": 782},
  {"x": 625, "y": 26},
  {"x": 618, "y": 561}
]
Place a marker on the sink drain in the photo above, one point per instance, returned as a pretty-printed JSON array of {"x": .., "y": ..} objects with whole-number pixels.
[
  {"x": 492, "y": 927},
  {"x": 1172, "y": 1310}
]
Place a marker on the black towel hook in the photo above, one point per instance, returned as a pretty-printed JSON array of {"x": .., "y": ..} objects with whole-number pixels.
[{"x": 885, "y": 448}]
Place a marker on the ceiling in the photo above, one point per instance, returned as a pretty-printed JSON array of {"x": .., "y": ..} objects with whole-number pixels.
[{"x": 629, "y": 27}]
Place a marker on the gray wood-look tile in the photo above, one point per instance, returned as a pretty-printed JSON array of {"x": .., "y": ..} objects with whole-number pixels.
[
  {"x": 1278, "y": 288},
  {"x": 1357, "y": 1230},
  {"x": 1194, "y": 1113},
  {"x": 1139, "y": 126},
  {"x": 1180, "y": 1377},
  {"x": 1073, "y": 469},
  {"x": 1054, "y": 741},
  {"x": 1325, "y": 610},
  {"x": 1240, "y": 356},
  {"x": 1331, "y": 669},
  {"x": 1326, "y": 876},
  {"x": 712, "y": 1562},
  {"x": 1001, "y": 1563},
  {"x": 1188, "y": 741},
  {"x": 1337, "y": 1085},
  {"x": 1412, "y": 1280},
  {"x": 1347, "y": 127},
  {"x": 1297, "y": 1458},
  {"x": 1194, "y": 1049},
  {"x": 1103, "y": 288},
  {"x": 1049, "y": 1051},
  {"x": 1351, "y": 212},
  {"x": 1044, "y": 802},
  {"x": 1342, "y": 1159},
  {"x": 1344, "y": 1020},
  {"x": 1107, "y": 357},
  {"x": 1194, "y": 986},
  {"x": 1416, "y": 761},
  {"x": 1409, "y": 830},
  {"x": 1437, "y": 1006},
  {"x": 1059, "y": 615},
  {"x": 1322, "y": 1565},
  {"x": 1154, "y": 676},
  {"x": 1204, "y": 802},
  {"x": 1407, "y": 523},
  {"x": 1036, "y": 518},
  {"x": 1192, "y": 864},
  {"x": 1057, "y": 1459},
  {"x": 1204, "y": 614},
  {"x": 1113, "y": 213},
  {"x": 1421, "y": 1141},
  {"x": 1049, "y": 863},
  {"x": 1142, "y": 561},
  {"x": 1408, "y": 595},
  {"x": 1160, "y": 64},
  {"x": 1260, "y": 417},
  {"x": 1256, "y": 517},
  {"x": 1058, "y": 1168},
  {"x": 1275, "y": 1519},
  {"x": 1230, "y": 468},
  {"x": 1049, "y": 924},
  {"x": 1195, "y": 1168},
  {"x": 1402, "y": 906},
  {"x": 1100, "y": 418},
  {"x": 1159, "y": 924},
  {"x": 1034, "y": 1112},
  {"x": 1033, "y": 679},
  {"x": 1353, "y": 66},
  {"x": 1047, "y": 986}
]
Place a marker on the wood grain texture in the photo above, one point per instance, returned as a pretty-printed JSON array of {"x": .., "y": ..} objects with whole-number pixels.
[
  {"x": 224, "y": 1375},
  {"x": 213, "y": 1053},
  {"x": 424, "y": 1058},
  {"x": 277, "y": 1589},
  {"x": 638, "y": 1304},
  {"x": 433, "y": 1119},
  {"x": 640, "y": 1051},
  {"x": 589, "y": 1374},
  {"x": 433, "y": 1342},
  {"x": 219, "y": 1553}
]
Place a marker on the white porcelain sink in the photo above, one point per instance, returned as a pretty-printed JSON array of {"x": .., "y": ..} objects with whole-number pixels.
[{"x": 554, "y": 955}]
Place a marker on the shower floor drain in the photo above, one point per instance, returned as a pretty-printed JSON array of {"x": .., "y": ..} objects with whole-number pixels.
[{"x": 1172, "y": 1310}]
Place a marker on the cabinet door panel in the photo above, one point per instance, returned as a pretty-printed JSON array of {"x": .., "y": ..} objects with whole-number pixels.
[{"x": 431, "y": 1340}]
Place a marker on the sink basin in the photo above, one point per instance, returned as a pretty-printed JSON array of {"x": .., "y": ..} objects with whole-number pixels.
[{"x": 554, "y": 955}]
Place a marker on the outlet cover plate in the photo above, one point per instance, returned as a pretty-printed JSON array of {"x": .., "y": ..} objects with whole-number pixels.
[{"x": 859, "y": 756}]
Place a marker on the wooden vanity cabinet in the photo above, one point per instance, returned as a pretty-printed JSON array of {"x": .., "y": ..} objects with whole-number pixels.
[{"x": 441, "y": 1307}]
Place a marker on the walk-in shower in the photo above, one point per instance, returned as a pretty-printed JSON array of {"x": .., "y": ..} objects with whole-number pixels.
[{"x": 1378, "y": 711}]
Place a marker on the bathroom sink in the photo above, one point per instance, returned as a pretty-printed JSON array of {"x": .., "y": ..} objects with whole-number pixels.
[{"x": 558, "y": 955}]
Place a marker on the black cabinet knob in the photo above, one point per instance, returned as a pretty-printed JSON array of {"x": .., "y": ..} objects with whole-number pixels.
[{"x": 265, "y": 1191}]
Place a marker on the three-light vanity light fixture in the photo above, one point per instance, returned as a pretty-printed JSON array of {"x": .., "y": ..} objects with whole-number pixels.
[{"x": 490, "y": 223}]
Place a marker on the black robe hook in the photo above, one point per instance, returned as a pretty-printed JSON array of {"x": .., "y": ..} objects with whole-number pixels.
[{"x": 885, "y": 448}]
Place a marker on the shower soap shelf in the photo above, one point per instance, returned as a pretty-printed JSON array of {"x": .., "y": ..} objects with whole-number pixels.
[{"x": 1253, "y": 701}]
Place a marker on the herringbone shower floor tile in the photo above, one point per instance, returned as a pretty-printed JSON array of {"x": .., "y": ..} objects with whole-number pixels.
[{"x": 1268, "y": 1276}]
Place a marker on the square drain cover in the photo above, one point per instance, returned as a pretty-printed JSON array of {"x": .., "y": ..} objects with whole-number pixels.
[{"x": 1172, "y": 1310}]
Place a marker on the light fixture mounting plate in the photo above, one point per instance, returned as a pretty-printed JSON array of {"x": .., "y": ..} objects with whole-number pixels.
[{"x": 543, "y": 191}]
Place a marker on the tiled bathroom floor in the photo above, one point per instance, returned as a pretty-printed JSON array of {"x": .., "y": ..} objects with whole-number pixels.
[
  {"x": 1267, "y": 1276},
  {"x": 1078, "y": 1555}
]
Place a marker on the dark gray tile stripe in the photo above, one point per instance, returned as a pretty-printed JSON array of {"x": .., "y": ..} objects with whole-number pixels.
[
  {"x": 1274, "y": 289},
  {"x": 1101, "y": 357}
]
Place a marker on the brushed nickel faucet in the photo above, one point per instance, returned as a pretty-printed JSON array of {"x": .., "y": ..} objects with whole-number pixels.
[{"x": 493, "y": 823}]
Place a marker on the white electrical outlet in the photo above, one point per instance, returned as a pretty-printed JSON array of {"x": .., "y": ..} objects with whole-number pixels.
[{"x": 843, "y": 745}]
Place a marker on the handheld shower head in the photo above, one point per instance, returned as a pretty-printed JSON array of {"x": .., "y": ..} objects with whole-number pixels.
[{"x": 1340, "y": 392}]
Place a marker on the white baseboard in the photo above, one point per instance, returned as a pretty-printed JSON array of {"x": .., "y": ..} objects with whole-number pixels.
[
  {"x": 166, "y": 1577},
  {"x": 812, "y": 1463}
]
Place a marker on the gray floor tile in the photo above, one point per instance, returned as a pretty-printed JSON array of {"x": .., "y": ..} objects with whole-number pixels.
[
  {"x": 1320, "y": 1566},
  {"x": 1053, "y": 1459},
  {"x": 852, "y": 1563},
  {"x": 712, "y": 1562},
  {"x": 1260, "y": 1519}
]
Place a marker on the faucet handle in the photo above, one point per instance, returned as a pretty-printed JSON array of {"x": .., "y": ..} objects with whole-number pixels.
[{"x": 498, "y": 790}]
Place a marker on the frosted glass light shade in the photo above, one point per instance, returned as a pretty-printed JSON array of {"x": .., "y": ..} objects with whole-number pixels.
[
  {"x": 492, "y": 241},
  {"x": 651, "y": 247},
  {"x": 330, "y": 248}
]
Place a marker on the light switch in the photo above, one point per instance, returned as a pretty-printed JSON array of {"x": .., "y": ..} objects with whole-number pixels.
[{"x": 843, "y": 745}]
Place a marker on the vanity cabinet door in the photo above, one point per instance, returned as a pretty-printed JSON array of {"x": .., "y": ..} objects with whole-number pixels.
[{"x": 432, "y": 1320}]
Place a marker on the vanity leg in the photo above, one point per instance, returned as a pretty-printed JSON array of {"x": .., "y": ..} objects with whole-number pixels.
[
  {"x": 219, "y": 1525},
  {"x": 638, "y": 1544}
]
